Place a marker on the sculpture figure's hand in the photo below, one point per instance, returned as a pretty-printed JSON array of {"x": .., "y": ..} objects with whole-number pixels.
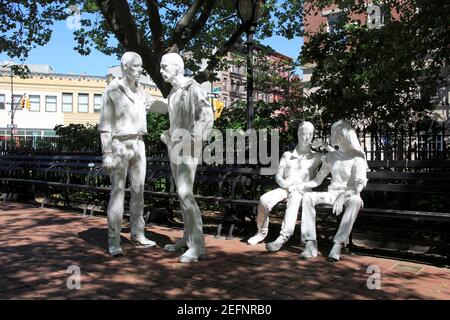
[
  {"x": 338, "y": 206},
  {"x": 108, "y": 162},
  {"x": 295, "y": 187}
]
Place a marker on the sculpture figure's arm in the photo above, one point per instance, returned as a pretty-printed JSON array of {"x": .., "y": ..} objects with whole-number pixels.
[
  {"x": 279, "y": 176},
  {"x": 360, "y": 176},
  {"x": 156, "y": 106},
  {"x": 204, "y": 114},
  {"x": 319, "y": 178},
  {"x": 105, "y": 129}
]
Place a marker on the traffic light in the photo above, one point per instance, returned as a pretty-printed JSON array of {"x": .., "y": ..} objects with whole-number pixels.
[
  {"x": 22, "y": 102},
  {"x": 28, "y": 104},
  {"x": 218, "y": 107}
]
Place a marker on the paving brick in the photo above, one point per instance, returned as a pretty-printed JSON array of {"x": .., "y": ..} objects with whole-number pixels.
[{"x": 37, "y": 246}]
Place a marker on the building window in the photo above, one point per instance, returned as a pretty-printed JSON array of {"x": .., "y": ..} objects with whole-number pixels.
[
  {"x": 97, "y": 102},
  {"x": 2, "y": 102},
  {"x": 50, "y": 103},
  {"x": 67, "y": 102},
  {"x": 35, "y": 103},
  {"x": 332, "y": 22},
  {"x": 83, "y": 102}
]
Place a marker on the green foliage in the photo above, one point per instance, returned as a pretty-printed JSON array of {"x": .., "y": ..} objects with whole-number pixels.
[
  {"x": 389, "y": 74},
  {"x": 156, "y": 124},
  {"x": 78, "y": 138}
]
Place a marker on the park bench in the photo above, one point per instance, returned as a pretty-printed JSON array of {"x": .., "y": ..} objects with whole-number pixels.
[{"x": 411, "y": 191}]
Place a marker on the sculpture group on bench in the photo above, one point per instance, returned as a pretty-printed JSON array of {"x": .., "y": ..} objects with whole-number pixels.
[
  {"x": 348, "y": 168},
  {"x": 123, "y": 124}
]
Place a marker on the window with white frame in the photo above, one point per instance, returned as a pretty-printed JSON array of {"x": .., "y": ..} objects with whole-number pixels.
[
  {"x": 50, "y": 103},
  {"x": 83, "y": 102},
  {"x": 2, "y": 102},
  {"x": 97, "y": 102},
  {"x": 35, "y": 103},
  {"x": 67, "y": 102}
]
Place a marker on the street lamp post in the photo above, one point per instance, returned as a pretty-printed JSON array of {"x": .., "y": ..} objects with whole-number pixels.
[{"x": 249, "y": 12}]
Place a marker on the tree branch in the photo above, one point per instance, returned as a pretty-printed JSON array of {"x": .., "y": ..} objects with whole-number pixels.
[
  {"x": 206, "y": 74},
  {"x": 198, "y": 26},
  {"x": 182, "y": 24},
  {"x": 120, "y": 20},
  {"x": 156, "y": 28}
]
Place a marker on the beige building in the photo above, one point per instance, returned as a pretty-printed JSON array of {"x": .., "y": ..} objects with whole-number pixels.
[{"x": 55, "y": 99}]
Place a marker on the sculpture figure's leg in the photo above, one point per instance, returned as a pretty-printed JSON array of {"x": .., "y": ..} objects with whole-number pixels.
[
  {"x": 115, "y": 204},
  {"x": 289, "y": 221},
  {"x": 308, "y": 226},
  {"x": 137, "y": 171},
  {"x": 267, "y": 202},
  {"x": 352, "y": 206},
  {"x": 192, "y": 217},
  {"x": 181, "y": 243}
]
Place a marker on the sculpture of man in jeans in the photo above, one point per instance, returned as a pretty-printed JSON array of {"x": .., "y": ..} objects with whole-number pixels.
[
  {"x": 295, "y": 167},
  {"x": 191, "y": 118},
  {"x": 348, "y": 168},
  {"x": 122, "y": 124}
]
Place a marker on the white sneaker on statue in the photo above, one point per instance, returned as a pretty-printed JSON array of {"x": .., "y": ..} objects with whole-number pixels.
[
  {"x": 192, "y": 255},
  {"x": 177, "y": 246},
  {"x": 115, "y": 250},
  {"x": 142, "y": 241},
  {"x": 335, "y": 253},
  {"x": 310, "y": 250},
  {"x": 257, "y": 238},
  {"x": 275, "y": 245}
]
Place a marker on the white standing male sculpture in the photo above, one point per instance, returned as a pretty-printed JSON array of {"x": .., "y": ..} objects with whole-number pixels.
[
  {"x": 348, "y": 168},
  {"x": 191, "y": 118},
  {"x": 295, "y": 167},
  {"x": 122, "y": 124}
]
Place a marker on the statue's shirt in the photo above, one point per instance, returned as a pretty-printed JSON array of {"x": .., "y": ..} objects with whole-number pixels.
[
  {"x": 346, "y": 171},
  {"x": 190, "y": 111},
  {"x": 123, "y": 111},
  {"x": 301, "y": 167}
]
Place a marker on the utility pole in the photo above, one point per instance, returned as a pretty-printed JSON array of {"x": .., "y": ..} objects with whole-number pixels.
[{"x": 12, "y": 103}]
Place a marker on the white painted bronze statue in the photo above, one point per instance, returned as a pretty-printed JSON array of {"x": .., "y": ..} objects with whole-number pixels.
[
  {"x": 122, "y": 126},
  {"x": 191, "y": 118},
  {"x": 295, "y": 167},
  {"x": 348, "y": 168}
]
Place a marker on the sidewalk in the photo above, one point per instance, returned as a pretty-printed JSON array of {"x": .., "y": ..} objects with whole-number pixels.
[{"x": 38, "y": 245}]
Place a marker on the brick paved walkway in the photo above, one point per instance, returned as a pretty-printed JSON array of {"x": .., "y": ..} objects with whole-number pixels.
[{"x": 38, "y": 245}]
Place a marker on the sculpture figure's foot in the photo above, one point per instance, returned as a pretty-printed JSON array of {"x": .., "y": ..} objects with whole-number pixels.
[
  {"x": 143, "y": 242},
  {"x": 177, "y": 246},
  {"x": 335, "y": 253},
  {"x": 257, "y": 238},
  {"x": 310, "y": 250},
  {"x": 276, "y": 245},
  {"x": 115, "y": 250},
  {"x": 192, "y": 255}
]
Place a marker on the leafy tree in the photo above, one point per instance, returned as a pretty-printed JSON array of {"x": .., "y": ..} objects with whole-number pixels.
[
  {"x": 78, "y": 138},
  {"x": 389, "y": 74},
  {"x": 207, "y": 28}
]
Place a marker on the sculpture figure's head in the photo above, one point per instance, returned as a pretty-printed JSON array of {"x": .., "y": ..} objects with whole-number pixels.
[
  {"x": 172, "y": 65},
  {"x": 344, "y": 136},
  {"x": 305, "y": 132},
  {"x": 131, "y": 65}
]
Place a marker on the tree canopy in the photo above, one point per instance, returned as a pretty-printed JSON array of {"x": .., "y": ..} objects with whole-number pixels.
[
  {"x": 388, "y": 74},
  {"x": 206, "y": 28}
]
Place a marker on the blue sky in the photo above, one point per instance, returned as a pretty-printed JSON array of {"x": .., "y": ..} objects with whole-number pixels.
[{"x": 61, "y": 56}]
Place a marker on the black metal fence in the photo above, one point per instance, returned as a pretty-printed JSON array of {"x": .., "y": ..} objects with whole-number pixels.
[{"x": 408, "y": 142}]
